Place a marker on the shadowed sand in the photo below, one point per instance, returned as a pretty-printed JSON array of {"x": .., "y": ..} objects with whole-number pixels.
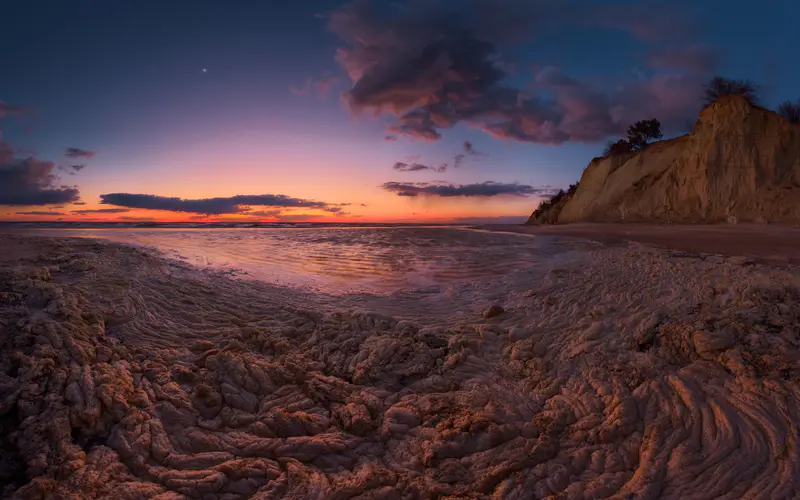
[{"x": 638, "y": 371}]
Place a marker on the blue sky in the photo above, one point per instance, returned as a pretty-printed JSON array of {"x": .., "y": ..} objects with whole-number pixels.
[{"x": 125, "y": 80}]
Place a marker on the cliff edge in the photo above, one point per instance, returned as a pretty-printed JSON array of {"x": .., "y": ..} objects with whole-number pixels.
[{"x": 739, "y": 161}]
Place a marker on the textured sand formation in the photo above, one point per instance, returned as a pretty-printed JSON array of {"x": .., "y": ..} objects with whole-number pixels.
[
  {"x": 638, "y": 374},
  {"x": 740, "y": 162}
]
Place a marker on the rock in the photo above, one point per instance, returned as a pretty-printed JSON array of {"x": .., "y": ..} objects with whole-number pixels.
[
  {"x": 493, "y": 311},
  {"x": 705, "y": 342},
  {"x": 701, "y": 176},
  {"x": 519, "y": 333}
]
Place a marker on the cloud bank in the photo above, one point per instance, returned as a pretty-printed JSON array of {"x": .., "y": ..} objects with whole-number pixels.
[
  {"x": 435, "y": 64},
  {"x": 483, "y": 189},
  {"x": 212, "y": 206}
]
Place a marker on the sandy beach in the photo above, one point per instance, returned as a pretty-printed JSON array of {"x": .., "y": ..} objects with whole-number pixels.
[
  {"x": 637, "y": 372},
  {"x": 767, "y": 243}
]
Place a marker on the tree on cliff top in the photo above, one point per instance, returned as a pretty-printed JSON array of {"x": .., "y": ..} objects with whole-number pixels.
[
  {"x": 642, "y": 132},
  {"x": 619, "y": 147},
  {"x": 720, "y": 86},
  {"x": 790, "y": 110}
]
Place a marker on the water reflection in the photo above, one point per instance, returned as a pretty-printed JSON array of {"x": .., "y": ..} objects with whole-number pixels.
[{"x": 392, "y": 269}]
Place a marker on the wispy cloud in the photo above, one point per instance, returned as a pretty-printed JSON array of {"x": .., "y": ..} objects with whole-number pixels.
[
  {"x": 78, "y": 153},
  {"x": 483, "y": 189},
  {"x": 102, "y": 211},
  {"x": 7, "y": 109},
  {"x": 39, "y": 213},
  {"x": 413, "y": 165}
]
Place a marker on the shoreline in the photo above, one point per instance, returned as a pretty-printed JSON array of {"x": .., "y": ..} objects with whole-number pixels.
[
  {"x": 637, "y": 370},
  {"x": 773, "y": 243}
]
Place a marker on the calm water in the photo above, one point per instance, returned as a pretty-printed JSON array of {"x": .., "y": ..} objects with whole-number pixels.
[{"x": 405, "y": 271}]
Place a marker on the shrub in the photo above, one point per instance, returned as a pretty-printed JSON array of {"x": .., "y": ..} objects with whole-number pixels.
[
  {"x": 719, "y": 87},
  {"x": 791, "y": 110},
  {"x": 619, "y": 147},
  {"x": 642, "y": 132},
  {"x": 572, "y": 188}
]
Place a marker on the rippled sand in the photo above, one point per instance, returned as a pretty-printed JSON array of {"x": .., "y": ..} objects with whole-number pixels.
[{"x": 634, "y": 373}]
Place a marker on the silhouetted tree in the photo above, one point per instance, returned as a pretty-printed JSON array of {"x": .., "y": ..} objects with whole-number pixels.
[
  {"x": 720, "y": 87},
  {"x": 572, "y": 189},
  {"x": 790, "y": 110},
  {"x": 619, "y": 147},
  {"x": 642, "y": 132}
]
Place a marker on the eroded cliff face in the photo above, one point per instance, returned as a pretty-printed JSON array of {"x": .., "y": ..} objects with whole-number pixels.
[{"x": 739, "y": 160}]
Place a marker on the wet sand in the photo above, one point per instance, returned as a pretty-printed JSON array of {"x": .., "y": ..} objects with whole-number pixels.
[
  {"x": 771, "y": 243},
  {"x": 635, "y": 372}
]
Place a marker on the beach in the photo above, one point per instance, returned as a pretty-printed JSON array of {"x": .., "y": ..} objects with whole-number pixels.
[{"x": 631, "y": 372}]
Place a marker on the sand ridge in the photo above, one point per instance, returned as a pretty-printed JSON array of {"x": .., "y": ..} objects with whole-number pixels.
[{"x": 636, "y": 373}]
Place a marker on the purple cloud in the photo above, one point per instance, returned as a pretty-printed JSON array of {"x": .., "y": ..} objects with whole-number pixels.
[
  {"x": 102, "y": 211},
  {"x": 238, "y": 204},
  {"x": 483, "y": 189},
  {"x": 432, "y": 66},
  {"x": 30, "y": 181},
  {"x": 78, "y": 153},
  {"x": 7, "y": 109}
]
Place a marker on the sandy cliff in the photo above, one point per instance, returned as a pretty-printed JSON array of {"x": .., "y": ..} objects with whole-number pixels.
[{"x": 739, "y": 160}]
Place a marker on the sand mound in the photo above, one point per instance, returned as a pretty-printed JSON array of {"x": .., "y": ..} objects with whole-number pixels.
[{"x": 651, "y": 373}]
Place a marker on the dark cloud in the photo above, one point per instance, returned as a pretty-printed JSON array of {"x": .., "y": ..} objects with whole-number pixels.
[
  {"x": 436, "y": 64},
  {"x": 390, "y": 138},
  {"x": 78, "y": 168},
  {"x": 39, "y": 213},
  {"x": 78, "y": 153},
  {"x": 79, "y": 203},
  {"x": 102, "y": 211},
  {"x": 7, "y": 109},
  {"x": 483, "y": 189},
  {"x": 470, "y": 149},
  {"x": 30, "y": 181},
  {"x": 213, "y": 206},
  {"x": 412, "y": 165}
]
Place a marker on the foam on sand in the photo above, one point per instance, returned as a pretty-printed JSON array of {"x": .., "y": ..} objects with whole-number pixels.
[{"x": 639, "y": 371}]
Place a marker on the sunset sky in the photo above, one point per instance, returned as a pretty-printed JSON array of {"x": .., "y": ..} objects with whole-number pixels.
[{"x": 350, "y": 111}]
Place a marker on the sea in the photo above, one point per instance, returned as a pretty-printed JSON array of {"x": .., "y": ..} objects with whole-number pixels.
[{"x": 408, "y": 271}]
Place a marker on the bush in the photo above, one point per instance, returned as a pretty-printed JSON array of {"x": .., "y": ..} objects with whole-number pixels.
[
  {"x": 719, "y": 87},
  {"x": 619, "y": 147},
  {"x": 791, "y": 110},
  {"x": 642, "y": 132},
  {"x": 572, "y": 188}
]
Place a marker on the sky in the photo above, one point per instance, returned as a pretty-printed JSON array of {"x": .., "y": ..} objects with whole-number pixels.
[{"x": 361, "y": 111}]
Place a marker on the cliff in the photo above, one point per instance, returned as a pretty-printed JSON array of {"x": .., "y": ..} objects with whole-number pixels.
[{"x": 739, "y": 161}]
